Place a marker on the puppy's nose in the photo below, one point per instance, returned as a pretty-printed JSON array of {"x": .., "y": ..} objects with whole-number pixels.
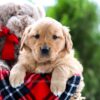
[{"x": 45, "y": 50}]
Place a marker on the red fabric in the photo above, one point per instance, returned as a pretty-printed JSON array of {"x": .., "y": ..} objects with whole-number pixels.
[
  {"x": 1, "y": 97},
  {"x": 8, "y": 50},
  {"x": 35, "y": 87},
  {"x": 40, "y": 87}
]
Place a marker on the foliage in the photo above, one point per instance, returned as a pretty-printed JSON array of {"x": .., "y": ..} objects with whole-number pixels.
[{"x": 81, "y": 16}]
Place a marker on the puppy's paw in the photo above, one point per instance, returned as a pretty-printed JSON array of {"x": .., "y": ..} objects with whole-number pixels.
[
  {"x": 77, "y": 96},
  {"x": 57, "y": 88},
  {"x": 16, "y": 78}
]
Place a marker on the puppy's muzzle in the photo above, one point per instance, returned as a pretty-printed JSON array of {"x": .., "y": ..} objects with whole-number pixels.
[{"x": 45, "y": 50}]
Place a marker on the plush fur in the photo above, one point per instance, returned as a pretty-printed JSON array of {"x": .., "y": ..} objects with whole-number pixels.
[
  {"x": 17, "y": 17},
  {"x": 60, "y": 60}
]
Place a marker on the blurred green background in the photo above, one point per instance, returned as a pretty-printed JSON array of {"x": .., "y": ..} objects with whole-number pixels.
[{"x": 82, "y": 16}]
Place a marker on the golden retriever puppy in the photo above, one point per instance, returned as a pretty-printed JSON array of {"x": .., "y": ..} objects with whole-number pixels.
[{"x": 46, "y": 47}]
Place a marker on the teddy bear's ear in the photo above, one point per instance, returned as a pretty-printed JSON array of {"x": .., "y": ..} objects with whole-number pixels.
[
  {"x": 25, "y": 36},
  {"x": 41, "y": 11},
  {"x": 68, "y": 41},
  {"x": 38, "y": 12}
]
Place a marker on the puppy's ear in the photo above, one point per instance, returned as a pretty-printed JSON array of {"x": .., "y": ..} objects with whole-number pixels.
[
  {"x": 68, "y": 41},
  {"x": 24, "y": 37}
]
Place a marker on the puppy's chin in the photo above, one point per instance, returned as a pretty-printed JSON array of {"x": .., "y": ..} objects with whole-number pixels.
[{"x": 41, "y": 59}]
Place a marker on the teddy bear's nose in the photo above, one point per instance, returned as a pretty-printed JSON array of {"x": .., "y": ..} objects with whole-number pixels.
[{"x": 45, "y": 50}]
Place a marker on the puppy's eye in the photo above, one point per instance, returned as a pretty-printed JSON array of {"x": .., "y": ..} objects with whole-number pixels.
[
  {"x": 37, "y": 36},
  {"x": 55, "y": 37}
]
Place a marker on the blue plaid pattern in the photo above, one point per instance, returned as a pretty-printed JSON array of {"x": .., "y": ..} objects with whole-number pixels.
[
  {"x": 10, "y": 93},
  {"x": 71, "y": 86}
]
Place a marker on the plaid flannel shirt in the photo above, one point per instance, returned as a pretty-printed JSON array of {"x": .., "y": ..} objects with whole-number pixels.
[{"x": 35, "y": 87}]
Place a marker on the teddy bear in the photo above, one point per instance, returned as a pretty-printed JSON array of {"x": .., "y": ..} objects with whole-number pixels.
[
  {"x": 18, "y": 16},
  {"x": 14, "y": 18}
]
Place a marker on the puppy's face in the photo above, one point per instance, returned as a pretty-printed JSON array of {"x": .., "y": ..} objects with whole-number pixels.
[{"x": 46, "y": 39}]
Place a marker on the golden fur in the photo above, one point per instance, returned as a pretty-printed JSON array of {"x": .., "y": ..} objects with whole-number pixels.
[{"x": 60, "y": 61}]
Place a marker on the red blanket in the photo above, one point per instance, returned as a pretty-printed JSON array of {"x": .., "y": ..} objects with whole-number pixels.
[{"x": 35, "y": 87}]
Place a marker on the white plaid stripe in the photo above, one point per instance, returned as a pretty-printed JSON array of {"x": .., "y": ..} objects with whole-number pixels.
[
  {"x": 69, "y": 93},
  {"x": 71, "y": 87},
  {"x": 4, "y": 82},
  {"x": 10, "y": 94}
]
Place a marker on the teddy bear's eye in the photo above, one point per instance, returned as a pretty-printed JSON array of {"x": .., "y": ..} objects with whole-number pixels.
[
  {"x": 55, "y": 37},
  {"x": 37, "y": 36}
]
